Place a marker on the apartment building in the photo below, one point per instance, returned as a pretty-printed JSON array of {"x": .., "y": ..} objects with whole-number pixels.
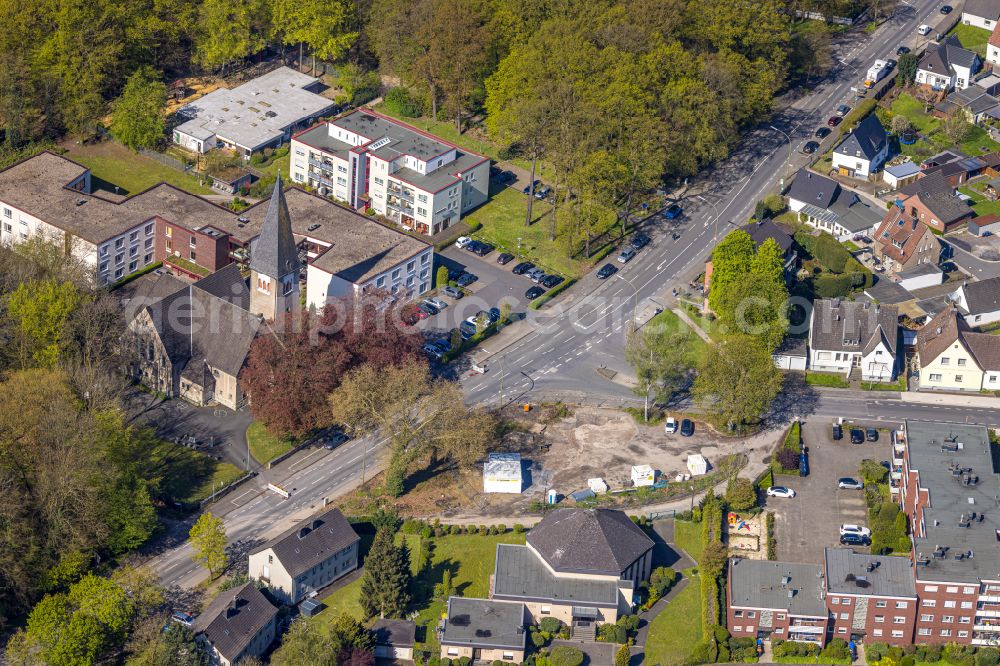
[
  {"x": 948, "y": 488},
  {"x": 779, "y": 600},
  {"x": 371, "y": 161},
  {"x": 870, "y": 597},
  {"x": 239, "y": 623}
]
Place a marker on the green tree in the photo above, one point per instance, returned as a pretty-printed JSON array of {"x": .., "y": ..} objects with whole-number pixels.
[
  {"x": 900, "y": 125},
  {"x": 737, "y": 381},
  {"x": 229, "y": 30},
  {"x": 872, "y": 472},
  {"x": 40, "y": 311},
  {"x": 731, "y": 261},
  {"x": 208, "y": 541},
  {"x": 150, "y": 645},
  {"x": 741, "y": 494},
  {"x": 956, "y": 126},
  {"x": 386, "y": 582},
  {"x": 907, "y": 68},
  {"x": 138, "y": 114},
  {"x": 305, "y": 645},
  {"x": 622, "y": 656},
  {"x": 441, "y": 278},
  {"x": 662, "y": 579}
]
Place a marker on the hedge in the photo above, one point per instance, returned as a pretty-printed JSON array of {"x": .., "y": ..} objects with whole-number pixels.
[
  {"x": 550, "y": 294},
  {"x": 857, "y": 115},
  {"x": 772, "y": 546}
]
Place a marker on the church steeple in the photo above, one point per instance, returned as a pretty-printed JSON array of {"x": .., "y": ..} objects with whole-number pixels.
[{"x": 274, "y": 261}]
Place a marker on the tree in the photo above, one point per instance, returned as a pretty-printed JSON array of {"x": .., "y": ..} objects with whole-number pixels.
[
  {"x": 40, "y": 311},
  {"x": 386, "y": 582},
  {"x": 737, "y": 381},
  {"x": 441, "y": 277},
  {"x": 662, "y": 579},
  {"x": 956, "y": 126},
  {"x": 660, "y": 353},
  {"x": 623, "y": 656},
  {"x": 304, "y": 645},
  {"x": 714, "y": 558},
  {"x": 731, "y": 261},
  {"x": 138, "y": 113},
  {"x": 741, "y": 494},
  {"x": 208, "y": 541},
  {"x": 900, "y": 125},
  {"x": 907, "y": 68},
  {"x": 229, "y": 30},
  {"x": 872, "y": 472}
]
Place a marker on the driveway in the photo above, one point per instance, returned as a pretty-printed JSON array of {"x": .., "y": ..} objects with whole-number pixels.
[{"x": 810, "y": 522}]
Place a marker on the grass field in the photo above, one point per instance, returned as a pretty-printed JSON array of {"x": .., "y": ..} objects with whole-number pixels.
[
  {"x": 980, "y": 204},
  {"x": 674, "y": 633},
  {"x": 112, "y": 164},
  {"x": 927, "y": 125},
  {"x": 264, "y": 446},
  {"x": 830, "y": 379},
  {"x": 187, "y": 475},
  {"x": 470, "y": 558},
  {"x": 687, "y": 537},
  {"x": 670, "y": 322},
  {"x": 972, "y": 38}
]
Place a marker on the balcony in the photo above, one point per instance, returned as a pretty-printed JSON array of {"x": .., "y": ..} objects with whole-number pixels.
[
  {"x": 400, "y": 192},
  {"x": 326, "y": 182},
  {"x": 988, "y": 613},
  {"x": 320, "y": 164},
  {"x": 991, "y": 628},
  {"x": 401, "y": 206},
  {"x": 807, "y": 629},
  {"x": 989, "y": 597}
]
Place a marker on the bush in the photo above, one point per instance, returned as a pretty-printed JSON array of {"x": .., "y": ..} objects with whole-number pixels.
[
  {"x": 426, "y": 532},
  {"x": 661, "y": 580},
  {"x": 793, "y": 439},
  {"x": 836, "y": 649},
  {"x": 794, "y": 649},
  {"x": 743, "y": 649},
  {"x": 612, "y": 633},
  {"x": 550, "y": 625},
  {"x": 772, "y": 546},
  {"x": 472, "y": 529},
  {"x": 876, "y": 651},
  {"x": 987, "y": 656},
  {"x": 907, "y": 660},
  {"x": 537, "y": 639},
  {"x": 399, "y": 102},
  {"x": 464, "y": 661},
  {"x": 564, "y": 655},
  {"x": 741, "y": 494},
  {"x": 872, "y": 472},
  {"x": 787, "y": 460},
  {"x": 518, "y": 528}
]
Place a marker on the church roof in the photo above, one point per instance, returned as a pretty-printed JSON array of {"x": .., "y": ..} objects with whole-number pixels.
[{"x": 274, "y": 252}]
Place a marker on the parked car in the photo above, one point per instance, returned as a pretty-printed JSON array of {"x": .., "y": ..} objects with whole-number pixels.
[
  {"x": 444, "y": 344},
  {"x": 336, "y": 439},
  {"x": 810, "y": 147},
  {"x": 854, "y": 540},
  {"x": 687, "y": 427},
  {"x": 436, "y": 302},
  {"x": 181, "y": 617},
  {"x": 419, "y": 312},
  {"x": 504, "y": 258},
  {"x": 454, "y": 292},
  {"x": 857, "y": 436},
  {"x": 506, "y": 178},
  {"x": 533, "y": 273},
  {"x": 493, "y": 314},
  {"x": 543, "y": 192},
  {"x": 530, "y": 187},
  {"x": 522, "y": 268},
  {"x": 803, "y": 463},
  {"x": 534, "y": 293},
  {"x": 822, "y": 132},
  {"x": 465, "y": 279},
  {"x": 426, "y": 308},
  {"x": 890, "y": 64},
  {"x": 467, "y": 330},
  {"x": 838, "y": 432},
  {"x": 945, "y": 9},
  {"x": 472, "y": 245},
  {"x": 538, "y": 277},
  {"x": 871, "y": 434},
  {"x": 843, "y": 110},
  {"x": 483, "y": 249},
  {"x": 607, "y": 270},
  {"x": 780, "y": 491},
  {"x": 860, "y": 530},
  {"x": 639, "y": 241},
  {"x": 834, "y": 121},
  {"x": 462, "y": 241},
  {"x": 670, "y": 427},
  {"x": 552, "y": 280},
  {"x": 847, "y": 483},
  {"x": 627, "y": 255},
  {"x": 673, "y": 211},
  {"x": 902, "y": 50},
  {"x": 923, "y": 30}
]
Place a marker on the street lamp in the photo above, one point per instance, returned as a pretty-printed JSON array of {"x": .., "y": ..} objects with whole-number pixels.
[
  {"x": 716, "y": 209},
  {"x": 789, "y": 158}
]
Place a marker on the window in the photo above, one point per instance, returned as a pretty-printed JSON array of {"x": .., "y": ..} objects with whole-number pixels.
[
  {"x": 945, "y": 360},
  {"x": 119, "y": 243},
  {"x": 119, "y": 258},
  {"x": 923, "y": 631},
  {"x": 194, "y": 242},
  {"x": 965, "y": 619},
  {"x": 133, "y": 251},
  {"x": 421, "y": 211},
  {"x": 900, "y": 604},
  {"x": 263, "y": 284},
  {"x": 958, "y": 379},
  {"x": 6, "y": 212},
  {"x": 132, "y": 265},
  {"x": 751, "y": 613},
  {"x": 548, "y": 609},
  {"x": 341, "y": 181},
  {"x": 422, "y": 198},
  {"x": 961, "y": 364},
  {"x": 880, "y": 604},
  {"x": 846, "y": 601},
  {"x": 737, "y": 629},
  {"x": 133, "y": 237},
  {"x": 973, "y": 590},
  {"x": 928, "y": 603},
  {"x": 148, "y": 258},
  {"x": 898, "y": 619},
  {"x": 926, "y": 618},
  {"x": 395, "y": 274},
  {"x": 963, "y": 634},
  {"x": 897, "y": 634},
  {"x": 118, "y": 272},
  {"x": 170, "y": 232},
  {"x": 192, "y": 255},
  {"x": 452, "y": 652},
  {"x": 930, "y": 588},
  {"x": 948, "y": 619},
  {"x": 781, "y": 616},
  {"x": 149, "y": 243},
  {"x": 508, "y": 656},
  {"x": 779, "y": 630},
  {"x": 950, "y": 603},
  {"x": 879, "y": 619},
  {"x": 946, "y": 632},
  {"x": 841, "y": 630},
  {"x": 834, "y": 600},
  {"x": 844, "y": 616},
  {"x": 877, "y": 632},
  {"x": 300, "y": 152},
  {"x": 104, "y": 266},
  {"x": 935, "y": 377},
  {"x": 738, "y": 613},
  {"x": 409, "y": 267},
  {"x": 380, "y": 282}
]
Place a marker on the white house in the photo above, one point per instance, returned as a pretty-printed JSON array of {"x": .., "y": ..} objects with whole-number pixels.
[
  {"x": 864, "y": 150},
  {"x": 238, "y": 624},
  {"x": 822, "y": 203},
  {"x": 502, "y": 473},
  {"x": 979, "y": 302},
  {"x": 981, "y": 13},
  {"x": 947, "y": 65},
  {"x": 394, "y": 639},
  {"x": 900, "y": 174},
  {"x": 850, "y": 337}
]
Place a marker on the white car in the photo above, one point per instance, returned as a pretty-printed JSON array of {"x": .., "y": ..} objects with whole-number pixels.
[
  {"x": 859, "y": 530},
  {"x": 462, "y": 241},
  {"x": 436, "y": 302},
  {"x": 670, "y": 427},
  {"x": 923, "y": 30},
  {"x": 780, "y": 491}
]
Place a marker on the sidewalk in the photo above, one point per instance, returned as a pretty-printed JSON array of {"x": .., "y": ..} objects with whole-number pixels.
[
  {"x": 695, "y": 327},
  {"x": 973, "y": 400}
]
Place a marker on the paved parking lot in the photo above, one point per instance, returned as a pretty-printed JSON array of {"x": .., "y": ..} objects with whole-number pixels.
[{"x": 810, "y": 522}]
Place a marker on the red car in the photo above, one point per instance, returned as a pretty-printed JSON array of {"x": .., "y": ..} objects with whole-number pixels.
[{"x": 834, "y": 121}]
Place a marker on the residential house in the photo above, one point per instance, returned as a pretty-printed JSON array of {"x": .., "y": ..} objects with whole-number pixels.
[
  {"x": 854, "y": 336},
  {"x": 898, "y": 175},
  {"x": 870, "y": 597},
  {"x": 946, "y": 66},
  {"x": 258, "y": 114},
  {"x": 776, "y": 600},
  {"x": 975, "y": 102},
  {"x": 239, "y": 623},
  {"x": 864, "y": 150},
  {"x": 307, "y": 557},
  {"x": 952, "y": 357},
  {"x": 903, "y": 243},
  {"x": 760, "y": 232},
  {"x": 371, "y": 161},
  {"x": 978, "y": 301},
  {"x": 822, "y": 203},
  {"x": 993, "y": 47},
  {"x": 933, "y": 201},
  {"x": 484, "y": 630},
  {"x": 920, "y": 276},
  {"x": 981, "y": 13},
  {"x": 986, "y": 225},
  {"x": 394, "y": 639}
]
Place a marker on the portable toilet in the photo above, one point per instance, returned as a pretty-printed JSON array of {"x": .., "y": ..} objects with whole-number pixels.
[{"x": 552, "y": 496}]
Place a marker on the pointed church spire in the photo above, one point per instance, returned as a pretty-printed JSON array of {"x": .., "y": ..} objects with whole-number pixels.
[{"x": 274, "y": 253}]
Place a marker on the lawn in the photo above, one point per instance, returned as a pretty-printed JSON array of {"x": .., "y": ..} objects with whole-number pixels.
[
  {"x": 687, "y": 537},
  {"x": 972, "y": 38},
  {"x": 831, "y": 379},
  {"x": 187, "y": 475},
  {"x": 112, "y": 164},
  {"x": 980, "y": 204},
  {"x": 470, "y": 559},
  {"x": 933, "y": 140},
  {"x": 264, "y": 446},
  {"x": 674, "y": 633},
  {"x": 669, "y": 322}
]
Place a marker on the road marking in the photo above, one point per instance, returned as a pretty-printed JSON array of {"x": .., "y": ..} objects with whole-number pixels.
[
  {"x": 244, "y": 494},
  {"x": 291, "y": 468}
]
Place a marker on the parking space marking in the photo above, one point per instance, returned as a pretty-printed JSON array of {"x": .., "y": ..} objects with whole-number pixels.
[
  {"x": 293, "y": 466},
  {"x": 250, "y": 492}
]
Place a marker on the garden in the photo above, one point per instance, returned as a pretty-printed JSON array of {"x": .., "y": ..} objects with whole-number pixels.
[
  {"x": 934, "y": 133},
  {"x": 828, "y": 268},
  {"x": 887, "y": 522},
  {"x": 265, "y": 447},
  {"x": 189, "y": 476}
]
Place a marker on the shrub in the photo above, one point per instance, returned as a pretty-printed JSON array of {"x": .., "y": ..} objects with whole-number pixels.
[
  {"x": 426, "y": 532},
  {"x": 612, "y": 633},
  {"x": 483, "y": 530},
  {"x": 907, "y": 660},
  {"x": 787, "y": 459},
  {"x": 399, "y": 102},
  {"x": 661, "y": 580},
  {"x": 518, "y": 528},
  {"x": 550, "y": 625},
  {"x": 872, "y": 472},
  {"x": 411, "y": 526},
  {"x": 743, "y": 649},
  {"x": 537, "y": 639},
  {"x": 772, "y": 546},
  {"x": 793, "y": 439},
  {"x": 836, "y": 649},
  {"x": 987, "y": 656},
  {"x": 440, "y": 531},
  {"x": 876, "y": 651},
  {"x": 623, "y": 656},
  {"x": 472, "y": 529},
  {"x": 741, "y": 494},
  {"x": 501, "y": 529},
  {"x": 464, "y": 661},
  {"x": 564, "y": 655}
]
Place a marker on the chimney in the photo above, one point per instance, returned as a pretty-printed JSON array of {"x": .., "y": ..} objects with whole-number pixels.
[{"x": 232, "y": 609}]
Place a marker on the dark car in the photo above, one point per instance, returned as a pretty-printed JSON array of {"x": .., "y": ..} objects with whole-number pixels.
[
  {"x": 854, "y": 540},
  {"x": 528, "y": 188},
  {"x": 891, "y": 64},
  {"x": 687, "y": 427},
  {"x": 534, "y": 293},
  {"x": 506, "y": 178},
  {"x": 822, "y": 132},
  {"x": 838, "y": 432},
  {"x": 444, "y": 344},
  {"x": 454, "y": 292},
  {"x": 607, "y": 270},
  {"x": 672, "y": 211},
  {"x": 872, "y": 434},
  {"x": 834, "y": 121},
  {"x": 639, "y": 241},
  {"x": 946, "y": 9},
  {"x": 523, "y": 268},
  {"x": 843, "y": 110},
  {"x": 857, "y": 436},
  {"x": 334, "y": 440},
  {"x": 552, "y": 280},
  {"x": 428, "y": 308},
  {"x": 467, "y": 330},
  {"x": 810, "y": 147},
  {"x": 542, "y": 192},
  {"x": 803, "y": 464},
  {"x": 505, "y": 258},
  {"x": 472, "y": 245},
  {"x": 493, "y": 315},
  {"x": 465, "y": 279},
  {"x": 902, "y": 50},
  {"x": 483, "y": 249},
  {"x": 454, "y": 272}
]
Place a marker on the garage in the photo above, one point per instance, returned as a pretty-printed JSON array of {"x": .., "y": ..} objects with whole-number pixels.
[
  {"x": 394, "y": 639},
  {"x": 920, "y": 276}
]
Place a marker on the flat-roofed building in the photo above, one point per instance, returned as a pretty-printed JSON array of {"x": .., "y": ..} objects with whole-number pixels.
[
  {"x": 484, "y": 630},
  {"x": 870, "y": 597},
  {"x": 778, "y": 600}
]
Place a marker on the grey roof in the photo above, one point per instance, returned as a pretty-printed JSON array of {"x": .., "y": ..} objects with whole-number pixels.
[
  {"x": 973, "y": 98},
  {"x": 887, "y": 292},
  {"x": 938, "y": 195},
  {"x": 395, "y": 633},
  {"x": 763, "y": 230},
  {"x": 920, "y": 270},
  {"x": 943, "y": 472},
  {"x": 589, "y": 540},
  {"x": 762, "y": 584},
  {"x": 228, "y": 284},
  {"x": 793, "y": 346},
  {"x": 942, "y": 58},
  {"x": 812, "y": 188},
  {"x": 256, "y": 112},
  {"x": 151, "y": 289},
  {"x": 312, "y": 541},
  {"x": 988, "y": 9},
  {"x": 848, "y": 572},
  {"x": 904, "y": 170},
  {"x": 982, "y": 296},
  {"x": 233, "y": 619},
  {"x": 521, "y": 575},
  {"x": 867, "y": 139},
  {"x": 852, "y": 326},
  {"x": 854, "y": 213},
  {"x": 274, "y": 252},
  {"x": 484, "y": 623}
]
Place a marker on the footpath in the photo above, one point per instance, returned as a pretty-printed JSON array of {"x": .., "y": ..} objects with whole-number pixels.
[{"x": 974, "y": 400}]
